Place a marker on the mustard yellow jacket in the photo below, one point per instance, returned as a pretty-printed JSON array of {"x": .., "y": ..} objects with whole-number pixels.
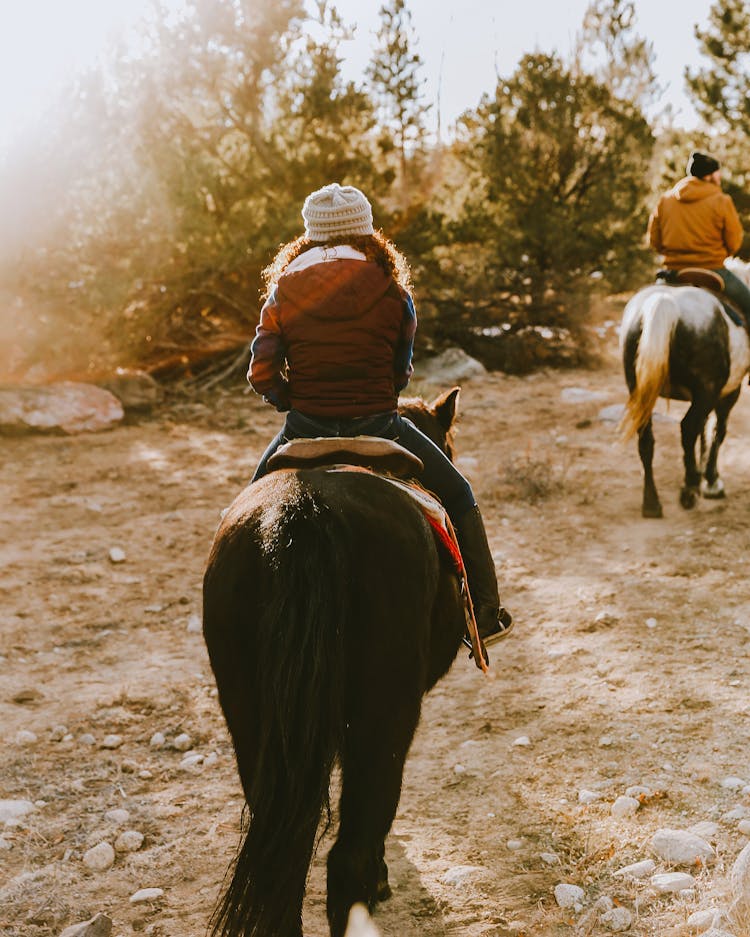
[{"x": 695, "y": 225}]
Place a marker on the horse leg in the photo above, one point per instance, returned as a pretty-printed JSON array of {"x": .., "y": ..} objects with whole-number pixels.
[
  {"x": 651, "y": 505},
  {"x": 691, "y": 427},
  {"x": 713, "y": 486},
  {"x": 372, "y": 765}
]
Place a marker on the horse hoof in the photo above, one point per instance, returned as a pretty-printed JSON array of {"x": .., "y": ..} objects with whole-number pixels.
[
  {"x": 652, "y": 510},
  {"x": 688, "y": 498},
  {"x": 714, "y": 492}
]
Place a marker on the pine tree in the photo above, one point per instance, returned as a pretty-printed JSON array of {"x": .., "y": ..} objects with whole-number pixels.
[
  {"x": 721, "y": 90},
  {"x": 394, "y": 76}
]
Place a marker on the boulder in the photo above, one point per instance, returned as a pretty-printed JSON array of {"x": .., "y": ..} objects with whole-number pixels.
[
  {"x": 136, "y": 390},
  {"x": 65, "y": 407},
  {"x": 450, "y": 367}
]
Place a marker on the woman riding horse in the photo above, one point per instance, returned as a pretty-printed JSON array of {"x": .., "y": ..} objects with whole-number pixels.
[{"x": 333, "y": 348}]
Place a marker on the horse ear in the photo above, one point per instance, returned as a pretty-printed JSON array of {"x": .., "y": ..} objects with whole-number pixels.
[{"x": 445, "y": 407}]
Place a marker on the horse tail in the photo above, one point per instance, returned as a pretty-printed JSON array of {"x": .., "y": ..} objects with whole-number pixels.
[
  {"x": 283, "y": 698},
  {"x": 658, "y": 319}
]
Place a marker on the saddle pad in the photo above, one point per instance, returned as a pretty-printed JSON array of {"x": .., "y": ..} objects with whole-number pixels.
[{"x": 383, "y": 455}]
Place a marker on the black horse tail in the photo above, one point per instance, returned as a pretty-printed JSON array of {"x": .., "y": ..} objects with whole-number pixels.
[
  {"x": 658, "y": 319},
  {"x": 281, "y": 686}
]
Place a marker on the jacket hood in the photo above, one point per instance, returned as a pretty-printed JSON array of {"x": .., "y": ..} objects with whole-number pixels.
[
  {"x": 339, "y": 289},
  {"x": 692, "y": 189}
]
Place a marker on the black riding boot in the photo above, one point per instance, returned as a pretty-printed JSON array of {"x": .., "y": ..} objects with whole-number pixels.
[{"x": 493, "y": 621}]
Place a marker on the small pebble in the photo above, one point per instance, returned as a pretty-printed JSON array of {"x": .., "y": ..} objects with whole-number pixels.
[
  {"x": 639, "y": 791},
  {"x": 25, "y": 737},
  {"x": 680, "y": 847},
  {"x": 100, "y": 857},
  {"x": 744, "y": 827},
  {"x": 58, "y": 733},
  {"x": 651, "y": 623},
  {"x": 210, "y": 759},
  {"x": 706, "y": 829},
  {"x": 515, "y": 844},
  {"x": 588, "y": 797},
  {"x": 87, "y": 739},
  {"x": 14, "y": 809},
  {"x": 194, "y": 624},
  {"x": 666, "y": 882},
  {"x": 157, "y": 740},
  {"x": 183, "y": 742},
  {"x": 636, "y": 869},
  {"x": 119, "y": 815},
  {"x": 732, "y": 783},
  {"x": 700, "y": 921},
  {"x": 549, "y": 858},
  {"x": 129, "y": 841},
  {"x": 191, "y": 760},
  {"x": 116, "y": 555},
  {"x": 458, "y": 769},
  {"x": 145, "y": 775},
  {"x": 146, "y": 894},
  {"x": 522, "y": 741},
  {"x": 460, "y": 874},
  {"x": 617, "y": 919},
  {"x": 569, "y": 896},
  {"x": 605, "y": 741},
  {"x": 111, "y": 741},
  {"x": 5, "y": 844},
  {"x": 624, "y": 807}
]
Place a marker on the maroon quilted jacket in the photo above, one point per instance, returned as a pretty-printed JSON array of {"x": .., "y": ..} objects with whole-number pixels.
[{"x": 330, "y": 338}]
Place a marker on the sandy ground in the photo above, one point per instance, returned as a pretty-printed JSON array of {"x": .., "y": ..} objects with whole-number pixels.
[{"x": 628, "y": 667}]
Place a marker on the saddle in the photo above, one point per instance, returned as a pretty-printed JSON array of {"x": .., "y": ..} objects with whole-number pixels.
[
  {"x": 373, "y": 452},
  {"x": 705, "y": 280}
]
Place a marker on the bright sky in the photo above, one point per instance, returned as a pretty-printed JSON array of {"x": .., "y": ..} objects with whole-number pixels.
[{"x": 464, "y": 44}]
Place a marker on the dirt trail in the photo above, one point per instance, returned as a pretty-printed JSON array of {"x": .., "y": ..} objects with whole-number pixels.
[{"x": 628, "y": 666}]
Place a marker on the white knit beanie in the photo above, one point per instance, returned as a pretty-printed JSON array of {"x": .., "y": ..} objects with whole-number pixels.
[{"x": 336, "y": 210}]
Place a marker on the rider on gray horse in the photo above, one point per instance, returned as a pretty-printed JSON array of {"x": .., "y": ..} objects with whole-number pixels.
[{"x": 695, "y": 224}]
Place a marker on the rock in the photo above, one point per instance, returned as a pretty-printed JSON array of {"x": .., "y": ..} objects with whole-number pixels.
[
  {"x": 580, "y": 395},
  {"x": 514, "y": 844},
  {"x": 14, "y": 809},
  {"x": 606, "y": 741},
  {"x": 65, "y": 407},
  {"x": 700, "y": 921},
  {"x": 87, "y": 739},
  {"x": 605, "y": 618},
  {"x": 460, "y": 874},
  {"x": 119, "y": 815},
  {"x": 111, "y": 741},
  {"x": 617, "y": 919},
  {"x": 5, "y": 844},
  {"x": 636, "y": 869},
  {"x": 194, "y": 624},
  {"x": 667, "y": 882},
  {"x": 549, "y": 858},
  {"x": 736, "y": 813},
  {"x": 146, "y": 894},
  {"x": 611, "y": 414},
  {"x": 117, "y": 555},
  {"x": 98, "y": 926},
  {"x": 32, "y": 695},
  {"x": 588, "y": 797},
  {"x": 58, "y": 733},
  {"x": 639, "y": 791},
  {"x": 182, "y": 742},
  {"x": 157, "y": 740},
  {"x": 569, "y": 896},
  {"x": 523, "y": 741},
  {"x": 99, "y": 858},
  {"x": 732, "y": 783},
  {"x": 450, "y": 367},
  {"x": 740, "y": 880},
  {"x": 603, "y": 904},
  {"x": 744, "y": 827},
  {"x": 136, "y": 390},
  {"x": 129, "y": 841},
  {"x": 191, "y": 760},
  {"x": 624, "y": 807},
  {"x": 706, "y": 829},
  {"x": 25, "y": 737},
  {"x": 680, "y": 847}
]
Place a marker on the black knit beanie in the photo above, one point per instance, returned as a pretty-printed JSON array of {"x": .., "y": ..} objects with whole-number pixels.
[{"x": 701, "y": 165}]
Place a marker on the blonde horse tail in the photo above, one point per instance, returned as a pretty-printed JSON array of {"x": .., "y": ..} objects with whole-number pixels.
[{"x": 658, "y": 318}]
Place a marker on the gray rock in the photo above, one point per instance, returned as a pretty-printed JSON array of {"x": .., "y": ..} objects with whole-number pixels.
[
  {"x": 98, "y": 926},
  {"x": 450, "y": 367},
  {"x": 146, "y": 894},
  {"x": 667, "y": 882},
  {"x": 136, "y": 390},
  {"x": 624, "y": 807},
  {"x": 99, "y": 858},
  {"x": 740, "y": 879},
  {"x": 14, "y": 809},
  {"x": 129, "y": 841},
  {"x": 617, "y": 919},
  {"x": 182, "y": 742},
  {"x": 460, "y": 874},
  {"x": 66, "y": 407},
  {"x": 569, "y": 896},
  {"x": 680, "y": 847}
]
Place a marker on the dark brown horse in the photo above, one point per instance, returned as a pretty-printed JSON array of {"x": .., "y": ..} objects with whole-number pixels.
[{"x": 328, "y": 614}]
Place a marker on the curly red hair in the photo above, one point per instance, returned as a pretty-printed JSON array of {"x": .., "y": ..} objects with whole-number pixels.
[{"x": 376, "y": 248}]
